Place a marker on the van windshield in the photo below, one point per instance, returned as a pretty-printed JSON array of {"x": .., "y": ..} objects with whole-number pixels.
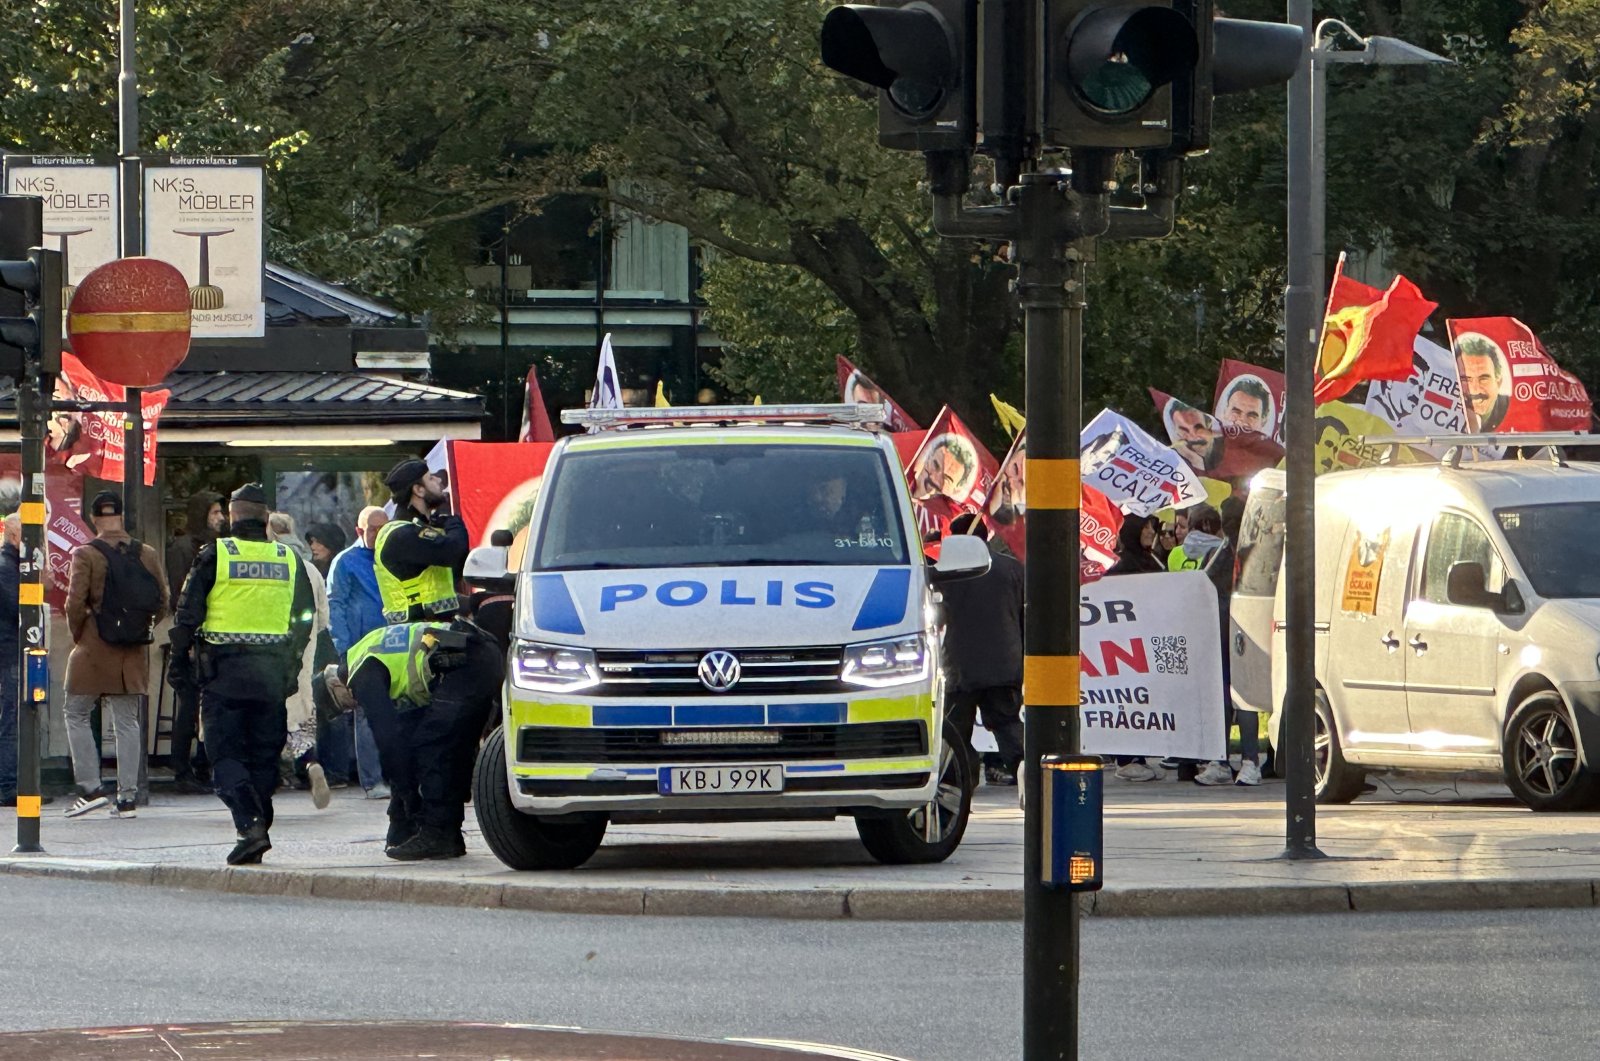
[
  {"x": 720, "y": 505},
  {"x": 1556, "y": 546}
]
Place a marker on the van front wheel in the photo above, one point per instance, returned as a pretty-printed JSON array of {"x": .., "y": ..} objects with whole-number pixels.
[
  {"x": 1337, "y": 780},
  {"x": 1543, "y": 766},
  {"x": 520, "y": 840},
  {"x": 913, "y": 836}
]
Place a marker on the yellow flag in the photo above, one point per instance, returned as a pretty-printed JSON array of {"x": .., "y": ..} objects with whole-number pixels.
[
  {"x": 758, "y": 400},
  {"x": 1349, "y": 437},
  {"x": 1010, "y": 419},
  {"x": 661, "y": 396}
]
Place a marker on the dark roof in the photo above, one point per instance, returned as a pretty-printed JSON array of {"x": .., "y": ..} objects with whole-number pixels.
[{"x": 294, "y": 297}]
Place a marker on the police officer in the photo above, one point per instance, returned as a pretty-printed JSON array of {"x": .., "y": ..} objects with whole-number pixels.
[
  {"x": 242, "y": 625},
  {"x": 427, "y": 689},
  {"x": 420, "y": 552}
]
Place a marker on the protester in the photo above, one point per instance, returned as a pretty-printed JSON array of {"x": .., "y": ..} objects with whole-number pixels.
[
  {"x": 1135, "y": 557},
  {"x": 241, "y": 631},
  {"x": 1204, "y": 549},
  {"x": 983, "y": 654},
  {"x": 9, "y": 621},
  {"x": 205, "y": 522},
  {"x": 300, "y": 749},
  {"x": 115, "y": 595},
  {"x": 325, "y": 542},
  {"x": 355, "y": 610},
  {"x": 1166, "y": 541}
]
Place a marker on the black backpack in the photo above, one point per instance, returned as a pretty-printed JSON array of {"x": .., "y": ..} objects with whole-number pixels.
[{"x": 127, "y": 612}]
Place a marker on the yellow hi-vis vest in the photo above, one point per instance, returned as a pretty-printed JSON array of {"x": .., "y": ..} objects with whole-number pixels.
[
  {"x": 252, "y": 600},
  {"x": 403, "y": 650},
  {"x": 434, "y": 589}
]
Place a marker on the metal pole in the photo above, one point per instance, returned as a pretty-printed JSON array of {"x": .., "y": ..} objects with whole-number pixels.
[
  {"x": 1301, "y": 326},
  {"x": 1050, "y": 288},
  {"x": 132, "y": 245},
  {"x": 1317, "y": 175},
  {"x": 509, "y": 423}
]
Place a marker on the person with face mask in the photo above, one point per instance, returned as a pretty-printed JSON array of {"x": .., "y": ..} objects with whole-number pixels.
[{"x": 242, "y": 626}]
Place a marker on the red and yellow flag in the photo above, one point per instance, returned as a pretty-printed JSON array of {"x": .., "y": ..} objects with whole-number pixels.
[{"x": 1367, "y": 333}]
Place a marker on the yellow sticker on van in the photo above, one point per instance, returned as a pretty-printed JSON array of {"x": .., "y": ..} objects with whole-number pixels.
[{"x": 1363, "y": 571}]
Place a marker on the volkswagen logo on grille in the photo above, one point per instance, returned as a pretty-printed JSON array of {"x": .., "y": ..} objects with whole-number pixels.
[{"x": 719, "y": 670}]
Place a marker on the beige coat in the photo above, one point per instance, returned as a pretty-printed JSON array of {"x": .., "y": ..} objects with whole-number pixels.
[{"x": 94, "y": 667}]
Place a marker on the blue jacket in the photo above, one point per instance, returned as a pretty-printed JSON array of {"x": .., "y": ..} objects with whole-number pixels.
[{"x": 354, "y": 607}]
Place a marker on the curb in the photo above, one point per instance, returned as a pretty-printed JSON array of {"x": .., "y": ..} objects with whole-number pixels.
[{"x": 864, "y": 904}]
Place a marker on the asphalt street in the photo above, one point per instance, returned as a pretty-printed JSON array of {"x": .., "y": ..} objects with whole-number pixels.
[{"x": 1406, "y": 986}]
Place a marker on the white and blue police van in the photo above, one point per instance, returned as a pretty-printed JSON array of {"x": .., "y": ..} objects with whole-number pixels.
[{"x": 725, "y": 614}]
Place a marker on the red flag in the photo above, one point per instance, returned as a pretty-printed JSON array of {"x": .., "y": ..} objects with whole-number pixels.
[
  {"x": 64, "y": 530},
  {"x": 1007, "y": 510},
  {"x": 1250, "y": 398},
  {"x": 1509, "y": 383},
  {"x": 535, "y": 420},
  {"x": 1212, "y": 448},
  {"x": 856, "y": 386},
  {"x": 493, "y": 486},
  {"x": 1367, "y": 333},
  {"x": 92, "y": 443},
  {"x": 953, "y": 463},
  {"x": 1099, "y": 522}
]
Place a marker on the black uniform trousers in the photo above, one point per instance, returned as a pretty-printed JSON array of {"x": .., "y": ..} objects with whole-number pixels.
[
  {"x": 428, "y": 752},
  {"x": 244, "y": 738},
  {"x": 1002, "y": 716}
]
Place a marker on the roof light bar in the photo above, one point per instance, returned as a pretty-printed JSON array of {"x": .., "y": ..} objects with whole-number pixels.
[
  {"x": 859, "y": 414},
  {"x": 1531, "y": 438}
]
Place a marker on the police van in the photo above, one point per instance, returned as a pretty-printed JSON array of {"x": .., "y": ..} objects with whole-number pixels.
[
  {"x": 724, "y": 614},
  {"x": 1457, "y": 618}
]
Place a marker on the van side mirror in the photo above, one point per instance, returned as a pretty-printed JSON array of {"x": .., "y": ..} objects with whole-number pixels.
[
  {"x": 1465, "y": 585},
  {"x": 960, "y": 556}
]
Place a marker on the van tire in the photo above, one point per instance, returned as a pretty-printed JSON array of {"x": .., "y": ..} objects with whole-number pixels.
[
  {"x": 521, "y": 840},
  {"x": 897, "y": 839},
  {"x": 1336, "y": 780},
  {"x": 1539, "y": 725}
]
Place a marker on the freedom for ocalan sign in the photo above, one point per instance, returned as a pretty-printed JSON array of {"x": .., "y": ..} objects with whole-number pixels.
[
  {"x": 204, "y": 215},
  {"x": 1151, "y": 659}
]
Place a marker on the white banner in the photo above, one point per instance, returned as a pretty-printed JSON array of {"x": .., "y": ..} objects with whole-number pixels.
[
  {"x": 1138, "y": 474},
  {"x": 80, "y": 207},
  {"x": 1429, "y": 403},
  {"x": 204, "y": 215},
  {"x": 1151, "y": 659}
]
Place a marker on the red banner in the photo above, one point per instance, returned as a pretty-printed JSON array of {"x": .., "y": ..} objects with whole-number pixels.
[
  {"x": 64, "y": 530},
  {"x": 1509, "y": 383},
  {"x": 493, "y": 486},
  {"x": 952, "y": 463},
  {"x": 856, "y": 386},
  {"x": 1250, "y": 398},
  {"x": 1099, "y": 522},
  {"x": 1007, "y": 511},
  {"x": 92, "y": 443},
  {"x": 1210, "y": 447}
]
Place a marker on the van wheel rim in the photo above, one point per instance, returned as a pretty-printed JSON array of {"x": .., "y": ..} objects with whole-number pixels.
[
  {"x": 1546, "y": 752},
  {"x": 1322, "y": 745},
  {"x": 946, "y": 801}
]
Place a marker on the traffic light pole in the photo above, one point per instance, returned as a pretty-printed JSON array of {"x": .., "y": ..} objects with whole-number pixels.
[{"x": 132, "y": 245}]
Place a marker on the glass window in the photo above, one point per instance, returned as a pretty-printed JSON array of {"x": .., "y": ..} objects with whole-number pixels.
[
  {"x": 717, "y": 505},
  {"x": 1457, "y": 539},
  {"x": 1556, "y": 546},
  {"x": 1261, "y": 544}
]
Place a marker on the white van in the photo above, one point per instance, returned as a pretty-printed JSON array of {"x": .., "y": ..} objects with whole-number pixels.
[
  {"x": 1457, "y": 625},
  {"x": 724, "y": 614}
]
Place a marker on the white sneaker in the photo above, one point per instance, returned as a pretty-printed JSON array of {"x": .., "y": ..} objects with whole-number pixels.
[
  {"x": 1138, "y": 770},
  {"x": 378, "y": 791},
  {"x": 1214, "y": 774},
  {"x": 84, "y": 804},
  {"x": 320, "y": 795},
  {"x": 1249, "y": 773}
]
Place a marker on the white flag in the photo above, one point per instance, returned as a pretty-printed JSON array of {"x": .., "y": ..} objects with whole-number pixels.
[
  {"x": 1138, "y": 474},
  {"x": 607, "y": 393}
]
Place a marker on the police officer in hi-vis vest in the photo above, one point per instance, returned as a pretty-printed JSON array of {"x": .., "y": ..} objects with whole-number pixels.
[
  {"x": 427, "y": 689},
  {"x": 420, "y": 552},
  {"x": 241, "y": 628}
]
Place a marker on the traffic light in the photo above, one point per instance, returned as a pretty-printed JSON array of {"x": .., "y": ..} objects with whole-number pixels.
[
  {"x": 1236, "y": 56},
  {"x": 922, "y": 56},
  {"x": 37, "y": 333}
]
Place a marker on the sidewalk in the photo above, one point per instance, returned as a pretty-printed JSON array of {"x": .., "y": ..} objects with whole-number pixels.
[{"x": 1171, "y": 850}]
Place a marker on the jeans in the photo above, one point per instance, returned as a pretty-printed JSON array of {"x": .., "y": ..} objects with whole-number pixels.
[
  {"x": 8, "y": 726},
  {"x": 368, "y": 765},
  {"x": 128, "y": 731},
  {"x": 333, "y": 748}
]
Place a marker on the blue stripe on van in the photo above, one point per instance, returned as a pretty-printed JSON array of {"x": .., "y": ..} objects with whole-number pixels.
[
  {"x": 805, "y": 714},
  {"x": 886, "y": 599},
  {"x": 815, "y": 768},
  {"x": 718, "y": 715},
  {"x": 553, "y": 609},
  {"x": 632, "y": 715}
]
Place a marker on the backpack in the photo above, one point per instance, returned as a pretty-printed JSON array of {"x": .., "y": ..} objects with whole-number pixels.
[{"x": 127, "y": 612}]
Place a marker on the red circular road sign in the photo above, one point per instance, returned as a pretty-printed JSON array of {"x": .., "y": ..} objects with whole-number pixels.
[{"x": 129, "y": 321}]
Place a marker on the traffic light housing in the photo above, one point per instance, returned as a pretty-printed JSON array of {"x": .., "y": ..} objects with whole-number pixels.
[
  {"x": 1108, "y": 72},
  {"x": 37, "y": 332},
  {"x": 1237, "y": 55},
  {"x": 922, "y": 57}
]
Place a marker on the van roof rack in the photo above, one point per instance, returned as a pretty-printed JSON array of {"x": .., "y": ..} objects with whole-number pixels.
[
  {"x": 855, "y": 415},
  {"x": 1457, "y": 445}
]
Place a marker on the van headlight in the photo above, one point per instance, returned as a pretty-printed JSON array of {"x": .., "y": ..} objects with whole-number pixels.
[
  {"x": 892, "y": 662},
  {"x": 552, "y": 668}
]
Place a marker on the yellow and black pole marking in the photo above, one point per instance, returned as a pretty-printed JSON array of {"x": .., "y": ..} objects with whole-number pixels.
[
  {"x": 1055, "y": 239},
  {"x": 32, "y": 671}
]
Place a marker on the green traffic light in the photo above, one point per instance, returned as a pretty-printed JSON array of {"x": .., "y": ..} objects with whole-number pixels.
[{"x": 1117, "y": 87}]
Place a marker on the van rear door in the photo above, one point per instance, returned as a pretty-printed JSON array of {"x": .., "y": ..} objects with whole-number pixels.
[{"x": 1366, "y": 663}]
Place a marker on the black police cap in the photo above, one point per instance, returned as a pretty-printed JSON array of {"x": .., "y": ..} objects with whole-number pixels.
[
  {"x": 403, "y": 475},
  {"x": 250, "y": 493}
]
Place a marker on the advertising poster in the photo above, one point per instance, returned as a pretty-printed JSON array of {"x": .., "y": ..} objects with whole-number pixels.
[
  {"x": 1250, "y": 398},
  {"x": 1508, "y": 382},
  {"x": 493, "y": 486},
  {"x": 855, "y": 386},
  {"x": 204, "y": 215},
  {"x": 1212, "y": 449},
  {"x": 81, "y": 215},
  {"x": 1151, "y": 658},
  {"x": 1138, "y": 474},
  {"x": 92, "y": 443}
]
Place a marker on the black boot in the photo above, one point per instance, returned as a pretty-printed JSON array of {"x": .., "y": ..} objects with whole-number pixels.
[
  {"x": 430, "y": 842},
  {"x": 400, "y": 830},
  {"x": 253, "y": 843}
]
